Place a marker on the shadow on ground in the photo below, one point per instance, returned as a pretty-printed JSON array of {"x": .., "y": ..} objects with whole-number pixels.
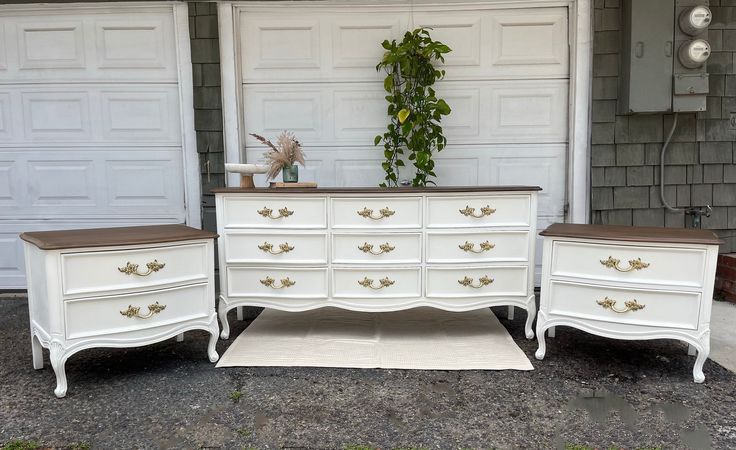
[{"x": 589, "y": 391}]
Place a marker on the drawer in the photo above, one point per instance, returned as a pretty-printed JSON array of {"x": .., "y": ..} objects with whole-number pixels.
[
  {"x": 477, "y": 281},
  {"x": 665, "y": 265},
  {"x": 485, "y": 246},
  {"x": 479, "y": 211},
  {"x": 115, "y": 270},
  {"x": 376, "y": 282},
  {"x": 379, "y": 212},
  {"x": 658, "y": 308},
  {"x": 105, "y": 315},
  {"x": 276, "y": 282},
  {"x": 274, "y": 212},
  {"x": 293, "y": 248},
  {"x": 377, "y": 248}
]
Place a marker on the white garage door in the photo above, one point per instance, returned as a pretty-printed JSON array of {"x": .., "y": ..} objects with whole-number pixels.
[
  {"x": 90, "y": 121},
  {"x": 311, "y": 69}
]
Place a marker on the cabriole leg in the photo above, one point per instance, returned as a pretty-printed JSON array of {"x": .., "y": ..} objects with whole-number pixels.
[
  {"x": 698, "y": 375},
  {"x": 58, "y": 362},
  {"x": 531, "y": 313},
  {"x": 211, "y": 346},
  {"x": 222, "y": 314},
  {"x": 37, "y": 352},
  {"x": 542, "y": 349}
]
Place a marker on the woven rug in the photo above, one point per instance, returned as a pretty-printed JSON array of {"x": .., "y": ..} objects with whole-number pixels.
[{"x": 420, "y": 338}]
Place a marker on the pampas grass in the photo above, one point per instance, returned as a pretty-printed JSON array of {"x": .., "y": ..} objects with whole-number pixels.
[{"x": 286, "y": 152}]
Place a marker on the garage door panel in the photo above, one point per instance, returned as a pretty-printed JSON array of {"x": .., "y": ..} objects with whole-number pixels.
[
  {"x": 133, "y": 43},
  {"x": 357, "y": 42},
  {"x": 8, "y": 183},
  {"x": 56, "y": 116},
  {"x": 135, "y": 115},
  {"x": 274, "y": 108},
  {"x": 6, "y": 120},
  {"x": 271, "y": 41},
  {"x": 51, "y": 44},
  {"x": 460, "y": 31},
  {"x": 62, "y": 184}
]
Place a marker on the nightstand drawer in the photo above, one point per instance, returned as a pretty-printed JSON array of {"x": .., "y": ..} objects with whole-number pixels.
[
  {"x": 293, "y": 248},
  {"x": 112, "y": 271},
  {"x": 477, "y": 281},
  {"x": 488, "y": 246},
  {"x": 479, "y": 211},
  {"x": 377, "y": 248},
  {"x": 376, "y": 282},
  {"x": 121, "y": 313},
  {"x": 380, "y": 212},
  {"x": 629, "y": 263},
  {"x": 277, "y": 282},
  {"x": 274, "y": 212},
  {"x": 668, "y": 309}
]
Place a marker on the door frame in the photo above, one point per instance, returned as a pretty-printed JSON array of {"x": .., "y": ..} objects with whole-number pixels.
[{"x": 580, "y": 38}]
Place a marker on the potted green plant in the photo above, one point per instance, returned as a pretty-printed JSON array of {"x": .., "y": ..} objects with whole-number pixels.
[
  {"x": 283, "y": 156},
  {"x": 414, "y": 110}
]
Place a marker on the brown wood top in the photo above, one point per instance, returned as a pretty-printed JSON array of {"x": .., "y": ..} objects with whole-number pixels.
[
  {"x": 110, "y": 237},
  {"x": 633, "y": 234},
  {"x": 376, "y": 190}
]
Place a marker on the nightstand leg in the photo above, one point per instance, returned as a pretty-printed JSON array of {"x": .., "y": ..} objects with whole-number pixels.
[
  {"x": 222, "y": 314},
  {"x": 37, "y": 352},
  {"x": 58, "y": 361},
  {"x": 698, "y": 375},
  {"x": 542, "y": 349},
  {"x": 510, "y": 313},
  {"x": 240, "y": 313},
  {"x": 531, "y": 313},
  {"x": 211, "y": 346}
]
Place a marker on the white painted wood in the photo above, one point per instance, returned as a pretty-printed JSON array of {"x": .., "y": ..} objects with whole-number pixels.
[
  {"x": 275, "y": 212},
  {"x": 250, "y": 248},
  {"x": 450, "y": 247},
  {"x": 417, "y": 279},
  {"x": 66, "y": 326},
  {"x": 96, "y": 120},
  {"x": 230, "y": 90},
  {"x": 507, "y": 211},
  {"x": 676, "y": 291}
]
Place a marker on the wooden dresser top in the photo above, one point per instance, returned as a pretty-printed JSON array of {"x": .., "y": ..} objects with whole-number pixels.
[
  {"x": 377, "y": 190},
  {"x": 633, "y": 234},
  {"x": 111, "y": 237}
]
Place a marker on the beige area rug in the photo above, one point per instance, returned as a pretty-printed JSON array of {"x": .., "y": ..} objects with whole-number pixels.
[{"x": 420, "y": 338}]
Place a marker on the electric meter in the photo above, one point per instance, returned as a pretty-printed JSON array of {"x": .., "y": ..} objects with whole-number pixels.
[
  {"x": 694, "y": 54},
  {"x": 695, "y": 20}
]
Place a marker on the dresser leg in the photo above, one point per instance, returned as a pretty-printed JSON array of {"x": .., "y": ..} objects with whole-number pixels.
[
  {"x": 542, "y": 349},
  {"x": 37, "y": 352},
  {"x": 510, "y": 313},
  {"x": 222, "y": 314},
  {"x": 698, "y": 375},
  {"x": 211, "y": 346},
  {"x": 240, "y": 313},
  {"x": 531, "y": 313},
  {"x": 58, "y": 361}
]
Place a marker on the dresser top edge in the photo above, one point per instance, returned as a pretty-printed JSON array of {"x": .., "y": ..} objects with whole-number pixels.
[
  {"x": 660, "y": 235},
  {"x": 377, "y": 190}
]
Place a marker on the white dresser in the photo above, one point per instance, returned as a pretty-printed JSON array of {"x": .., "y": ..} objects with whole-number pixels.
[
  {"x": 629, "y": 283},
  {"x": 370, "y": 249},
  {"x": 117, "y": 287}
]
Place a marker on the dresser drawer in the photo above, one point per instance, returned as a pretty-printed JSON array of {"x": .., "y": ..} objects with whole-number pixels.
[
  {"x": 477, "y": 282},
  {"x": 657, "y": 308},
  {"x": 488, "y": 246},
  {"x": 629, "y": 263},
  {"x": 293, "y": 248},
  {"x": 376, "y": 282},
  {"x": 274, "y": 212},
  {"x": 378, "y": 212},
  {"x": 121, "y": 313},
  {"x": 479, "y": 211},
  {"x": 134, "y": 269},
  {"x": 377, "y": 248},
  {"x": 275, "y": 282}
]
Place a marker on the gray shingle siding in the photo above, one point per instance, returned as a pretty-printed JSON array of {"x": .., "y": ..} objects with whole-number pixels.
[{"x": 701, "y": 160}]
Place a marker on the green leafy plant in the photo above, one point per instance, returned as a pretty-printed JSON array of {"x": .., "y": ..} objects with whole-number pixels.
[
  {"x": 235, "y": 396},
  {"x": 413, "y": 107},
  {"x": 21, "y": 445}
]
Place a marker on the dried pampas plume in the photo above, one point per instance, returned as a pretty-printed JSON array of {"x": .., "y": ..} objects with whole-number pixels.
[{"x": 286, "y": 152}]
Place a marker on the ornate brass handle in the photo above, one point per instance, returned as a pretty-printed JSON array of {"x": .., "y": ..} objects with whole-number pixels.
[
  {"x": 383, "y": 212},
  {"x": 634, "y": 264},
  {"x": 484, "y": 247},
  {"x": 482, "y": 281},
  {"x": 283, "y": 248},
  {"x": 368, "y": 283},
  {"x": 630, "y": 305},
  {"x": 368, "y": 248},
  {"x": 268, "y": 212},
  {"x": 484, "y": 211},
  {"x": 134, "y": 311},
  {"x": 285, "y": 283},
  {"x": 132, "y": 269}
]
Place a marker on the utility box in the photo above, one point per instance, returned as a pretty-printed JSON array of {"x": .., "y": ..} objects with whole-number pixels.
[{"x": 646, "y": 56}]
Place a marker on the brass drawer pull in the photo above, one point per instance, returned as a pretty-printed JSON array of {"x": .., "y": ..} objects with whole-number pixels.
[
  {"x": 484, "y": 247},
  {"x": 132, "y": 269},
  {"x": 368, "y": 213},
  {"x": 482, "y": 281},
  {"x": 368, "y": 283},
  {"x": 631, "y": 305},
  {"x": 285, "y": 283},
  {"x": 634, "y": 264},
  {"x": 268, "y": 212},
  {"x": 368, "y": 248},
  {"x": 484, "y": 211},
  {"x": 283, "y": 248},
  {"x": 134, "y": 311}
]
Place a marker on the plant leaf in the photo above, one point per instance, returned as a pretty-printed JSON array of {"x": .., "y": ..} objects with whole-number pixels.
[{"x": 403, "y": 115}]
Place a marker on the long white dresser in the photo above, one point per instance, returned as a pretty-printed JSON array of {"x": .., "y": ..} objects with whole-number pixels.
[
  {"x": 629, "y": 283},
  {"x": 371, "y": 249}
]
